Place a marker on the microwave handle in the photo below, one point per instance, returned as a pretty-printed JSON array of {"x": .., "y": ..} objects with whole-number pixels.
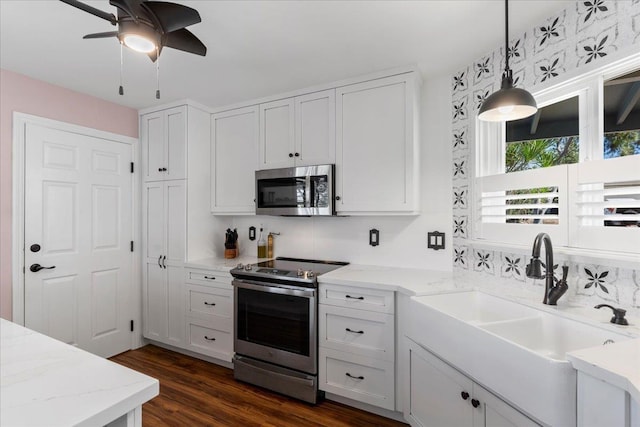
[{"x": 308, "y": 191}]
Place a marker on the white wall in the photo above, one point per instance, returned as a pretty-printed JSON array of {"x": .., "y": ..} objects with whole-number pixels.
[{"x": 403, "y": 240}]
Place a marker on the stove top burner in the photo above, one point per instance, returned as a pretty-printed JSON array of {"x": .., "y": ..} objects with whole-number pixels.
[{"x": 304, "y": 271}]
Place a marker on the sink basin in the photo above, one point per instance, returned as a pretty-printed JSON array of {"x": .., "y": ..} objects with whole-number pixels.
[
  {"x": 515, "y": 350},
  {"x": 551, "y": 336},
  {"x": 476, "y": 307}
]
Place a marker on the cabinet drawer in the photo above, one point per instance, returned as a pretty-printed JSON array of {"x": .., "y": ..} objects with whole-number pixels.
[
  {"x": 355, "y": 297},
  {"x": 209, "y": 341},
  {"x": 356, "y": 377},
  {"x": 360, "y": 332},
  {"x": 211, "y": 304},
  {"x": 208, "y": 278}
]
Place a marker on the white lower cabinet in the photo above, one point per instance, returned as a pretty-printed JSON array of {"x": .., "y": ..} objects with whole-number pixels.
[
  {"x": 356, "y": 328},
  {"x": 439, "y": 395},
  {"x": 208, "y": 319},
  {"x": 604, "y": 404}
]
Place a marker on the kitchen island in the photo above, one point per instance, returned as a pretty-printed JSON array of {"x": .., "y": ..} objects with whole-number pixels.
[{"x": 45, "y": 382}]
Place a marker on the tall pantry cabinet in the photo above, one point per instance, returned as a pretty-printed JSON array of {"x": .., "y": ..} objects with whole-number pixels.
[{"x": 174, "y": 142}]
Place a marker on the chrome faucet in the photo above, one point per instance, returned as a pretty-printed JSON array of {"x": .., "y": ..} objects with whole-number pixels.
[{"x": 552, "y": 290}]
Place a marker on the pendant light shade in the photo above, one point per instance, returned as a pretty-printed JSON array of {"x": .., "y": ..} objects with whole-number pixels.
[{"x": 509, "y": 103}]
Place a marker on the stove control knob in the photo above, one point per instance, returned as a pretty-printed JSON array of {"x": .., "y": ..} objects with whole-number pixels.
[
  {"x": 240, "y": 266},
  {"x": 300, "y": 272},
  {"x": 248, "y": 267},
  {"x": 310, "y": 273}
]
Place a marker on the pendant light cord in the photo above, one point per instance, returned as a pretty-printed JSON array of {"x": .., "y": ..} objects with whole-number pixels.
[{"x": 506, "y": 36}]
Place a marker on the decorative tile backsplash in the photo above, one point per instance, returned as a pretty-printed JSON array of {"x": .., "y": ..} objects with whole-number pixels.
[{"x": 584, "y": 33}]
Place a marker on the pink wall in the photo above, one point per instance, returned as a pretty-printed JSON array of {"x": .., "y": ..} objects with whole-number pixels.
[{"x": 26, "y": 95}]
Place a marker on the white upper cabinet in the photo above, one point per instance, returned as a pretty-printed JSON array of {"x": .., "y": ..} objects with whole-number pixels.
[
  {"x": 298, "y": 131},
  {"x": 277, "y": 134},
  {"x": 315, "y": 128},
  {"x": 377, "y": 147},
  {"x": 234, "y": 160},
  {"x": 164, "y": 144}
]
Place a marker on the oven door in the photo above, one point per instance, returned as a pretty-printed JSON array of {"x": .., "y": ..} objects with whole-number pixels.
[{"x": 276, "y": 324}]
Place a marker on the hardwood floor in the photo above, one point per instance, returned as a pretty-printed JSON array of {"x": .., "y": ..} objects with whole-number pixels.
[{"x": 197, "y": 393}]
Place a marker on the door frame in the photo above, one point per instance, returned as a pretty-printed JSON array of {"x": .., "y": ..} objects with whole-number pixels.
[{"x": 20, "y": 121}]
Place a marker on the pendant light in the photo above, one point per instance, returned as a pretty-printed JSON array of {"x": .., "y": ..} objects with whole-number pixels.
[{"x": 509, "y": 103}]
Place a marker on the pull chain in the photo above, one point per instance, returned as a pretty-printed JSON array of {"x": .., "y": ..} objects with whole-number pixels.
[
  {"x": 157, "y": 73},
  {"x": 121, "y": 88}
]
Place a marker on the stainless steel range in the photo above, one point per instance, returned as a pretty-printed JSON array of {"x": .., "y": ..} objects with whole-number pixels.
[{"x": 276, "y": 324}]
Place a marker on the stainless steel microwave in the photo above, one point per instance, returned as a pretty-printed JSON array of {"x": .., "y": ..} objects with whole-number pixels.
[{"x": 296, "y": 191}]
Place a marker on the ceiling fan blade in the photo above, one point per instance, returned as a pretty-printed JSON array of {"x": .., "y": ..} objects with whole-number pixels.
[
  {"x": 101, "y": 35},
  {"x": 172, "y": 16},
  {"x": 130, "y": 8},
  {"x": 185, "y": 40},
  {"x": 92, "y": 10}
]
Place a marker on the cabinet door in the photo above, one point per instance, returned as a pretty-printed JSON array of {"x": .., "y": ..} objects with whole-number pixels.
[
  {"x": 175, "y": 196},
  {"x": 153, "y": 220},
  {"x": 315, "y": 128},
  {"x": 435, "y": 391},
  {"x": 176, "y": 143},
  {"x": 277, "y": 134},
  {"x": 376, "y": 147},
  {"x": 153, "y": 145},
  {"x": 494, "y": 412},
  {"x": 234, "y": 158},
  {"x": 155, "y": 302},
  {"x": 175, "y": 305}
]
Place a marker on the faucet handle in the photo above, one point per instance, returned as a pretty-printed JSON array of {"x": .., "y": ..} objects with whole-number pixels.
[{"x": 618, "y": 314}]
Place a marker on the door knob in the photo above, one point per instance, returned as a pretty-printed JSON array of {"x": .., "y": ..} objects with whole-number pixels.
[{"x": 37, "y": 267}]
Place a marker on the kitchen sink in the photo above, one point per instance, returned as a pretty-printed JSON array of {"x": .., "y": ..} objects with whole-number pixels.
[
  {"x": 515, "y": 350},
  {"x": 476, "y": 307},
  {"x": 551, "y": 336}
]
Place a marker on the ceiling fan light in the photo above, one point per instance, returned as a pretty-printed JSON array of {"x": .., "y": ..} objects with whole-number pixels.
[{"x": 139, "y": 43}]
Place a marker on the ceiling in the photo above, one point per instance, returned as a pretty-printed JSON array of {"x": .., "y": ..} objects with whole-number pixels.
[{"x": 259, "y": 48}]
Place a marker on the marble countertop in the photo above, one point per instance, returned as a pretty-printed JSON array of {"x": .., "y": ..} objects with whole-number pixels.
[
  {"x": 222, "y": 264},
  {"x": 617, "y": 363},
  {"x": 45, "y": 382}
]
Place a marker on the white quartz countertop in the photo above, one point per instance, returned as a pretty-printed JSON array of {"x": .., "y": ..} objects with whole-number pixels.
[
  {"x": 410, "y": 281},
  {"x": 45, "y": 382},
  {"x": 222, "y": 264},
  {"x": 617, "y": 364}
]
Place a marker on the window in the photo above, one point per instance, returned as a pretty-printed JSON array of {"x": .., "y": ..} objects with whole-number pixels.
[{"x": 572, "y": 170}]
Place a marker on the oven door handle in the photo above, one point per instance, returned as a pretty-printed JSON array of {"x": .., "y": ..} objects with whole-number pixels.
[{"x": 274, "y": 289}]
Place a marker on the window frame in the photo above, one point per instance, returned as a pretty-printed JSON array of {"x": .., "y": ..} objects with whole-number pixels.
[{"x": 489, "y": 160}]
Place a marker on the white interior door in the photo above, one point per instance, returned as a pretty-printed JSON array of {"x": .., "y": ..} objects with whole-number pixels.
[{"x": 79, "y": 213}]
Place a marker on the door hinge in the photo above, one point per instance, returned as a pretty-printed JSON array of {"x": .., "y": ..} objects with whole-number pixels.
[
  {"x": 131, "y": 167},
  {"x": 132, "y": 326},
  {"x": 132, "y": 246}
]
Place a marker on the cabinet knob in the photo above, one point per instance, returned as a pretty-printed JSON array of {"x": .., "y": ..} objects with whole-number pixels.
[
  {"x": 290, "y": 154},
  {"x": 297, "y": 154},
  {"x": 475, "y": 403},
  {"x": 337, "y": 197},
  {"x": 464, "y": 395},
  {"x": 159, "y": 169}
]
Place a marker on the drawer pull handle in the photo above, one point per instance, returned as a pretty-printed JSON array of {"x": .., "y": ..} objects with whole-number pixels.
[
  {"x": 209, "y": 339},
  {"x": 475, "y": 403},
  {"x": 354, "y": 332},
  {"x": 210, "y": 277},
  {"x": 350, "y": 297},
  {"x": 210, "y": 303},
  {"x": 354, "y": 377}
]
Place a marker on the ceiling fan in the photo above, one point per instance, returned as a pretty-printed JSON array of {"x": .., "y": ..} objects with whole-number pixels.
[{"x": 148, "y": 26}]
